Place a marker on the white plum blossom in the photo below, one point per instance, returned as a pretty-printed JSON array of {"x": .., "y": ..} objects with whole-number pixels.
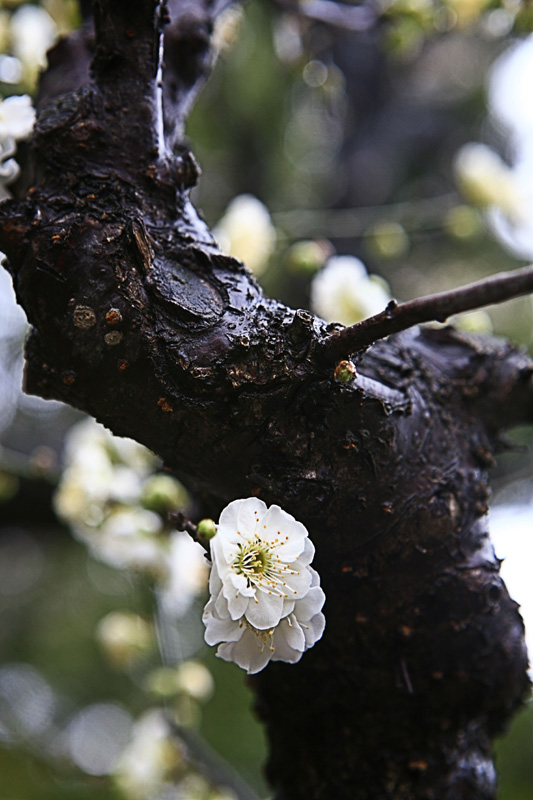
[
  {"x": 505, "y": 189},
  {"x": 9, "y": 168},
  {"x": 130, "y": 538},
  {"x": 17, "y": 117},
  {"x": 116, "y": 501},
  {"x": 125, "y": 638},
  {"x": 510, "y": 531},
  {"x": 487, "y": 181},
  {"x": 246, "y": 232},
  {"x": 33, "y": 32},
  {"x": 151, "y": 759},
  {"x": 344, "y": 291},
  {"x": 102, "y": 473},
  {"x": 265, "y": 599}
]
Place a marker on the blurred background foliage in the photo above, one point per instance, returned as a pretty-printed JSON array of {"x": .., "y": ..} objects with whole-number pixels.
[{"x": 327, "y": 129}]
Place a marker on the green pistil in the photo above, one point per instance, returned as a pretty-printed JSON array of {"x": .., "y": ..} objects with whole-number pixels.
[{"x": 253, "y": 559}]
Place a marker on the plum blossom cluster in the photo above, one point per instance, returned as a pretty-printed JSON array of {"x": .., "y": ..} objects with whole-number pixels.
[
  {"x": 116, "y": 501},
  {"x": 266, "y": 601}
]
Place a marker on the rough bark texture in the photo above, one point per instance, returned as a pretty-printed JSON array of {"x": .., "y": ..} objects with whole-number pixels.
[{"x": 140, "y": 320}]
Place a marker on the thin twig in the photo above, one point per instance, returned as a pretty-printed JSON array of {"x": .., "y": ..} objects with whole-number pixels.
[
  {"x": 211, "y": 764},
  {"x": 180, "y": 521},
  {"x": 340, "y": 15},
  {"x": 414, "y": 215},
  {"x": 436, "y": 307}
]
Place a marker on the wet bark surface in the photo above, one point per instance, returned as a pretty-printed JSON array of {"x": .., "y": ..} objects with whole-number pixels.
[{"x": 141, "y": 321}]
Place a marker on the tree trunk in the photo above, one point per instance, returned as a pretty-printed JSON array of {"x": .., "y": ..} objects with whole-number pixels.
[{"x": 141, "y": 321}]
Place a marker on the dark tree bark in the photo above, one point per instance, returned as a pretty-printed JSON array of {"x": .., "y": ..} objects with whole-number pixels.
[{"x": 140, "y": 320}]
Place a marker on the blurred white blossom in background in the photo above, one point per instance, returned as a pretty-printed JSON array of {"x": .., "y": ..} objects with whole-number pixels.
[
  {"x": 487, "y": 181},
  {"x": 190, "y": 677},
  {"x": 227, "y": 29},
  {"x": 506, "y": 190},
  {"x": 154, "y": 765},
  {"x": 511, "y": 530},
  {"x": 95, "y": 736},
  {"x": 125, "y": 638},
  {"x": 247, "y": 233},
  {"x": 265, "y": 599},
  {"x": 32, "y": 32},
  {"x": 17, "y": 118},
  {"x": 13, "y": 326},
  {"x": 344, "y": 291},
  {"x": 116, "y": 502},
  {"x": 188, "y": 574},
  {"x": 150, "y": 760},
  {"x": 27, "y": 32}
]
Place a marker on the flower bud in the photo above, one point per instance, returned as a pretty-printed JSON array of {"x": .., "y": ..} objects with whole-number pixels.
[
  {"x": 206, "y": 529},
  {"x": 345, "y": 371}
]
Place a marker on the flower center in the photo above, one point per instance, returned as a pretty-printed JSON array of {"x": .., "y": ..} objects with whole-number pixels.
[{"x": 253, "y": 560}]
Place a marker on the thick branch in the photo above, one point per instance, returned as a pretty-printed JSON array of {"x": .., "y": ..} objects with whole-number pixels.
[
  {"x": 436, "y": 307},
  {"x": 128, "y": 41},
  {"x": 139, "y": 320},
  {"x": 187, "y": 63}
]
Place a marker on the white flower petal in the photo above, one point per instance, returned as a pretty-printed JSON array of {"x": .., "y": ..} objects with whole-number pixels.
[
  {"x": 288, "y": 607},
  {"x": 237, "y": 525},
  {"x": 272, "y": 530},
  {"x": 250, "y": 652},
  {"x": 221, "y": 606},
  {"x": 290, "y": 631},
  {"x": 264, "y": 611},
  {"x": 311, "y": 604},
  {"x": 237, "y": 604},
  {"x": 220, "y": 630},
  {"x": 215, "y": 584},
  {"x": 240, "y": 584},
  {"x": 240, "y": 518},
  {"x": 305, "y": 558},
  {"x": 297, "y": 581},
  {"x": 315, "y": 577},
  {"x": 313, "y": 629},
  {"x": 283, "y": 648},
  {"x": 251, "y": 511},
  {"x": 283, "y": 652}
]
